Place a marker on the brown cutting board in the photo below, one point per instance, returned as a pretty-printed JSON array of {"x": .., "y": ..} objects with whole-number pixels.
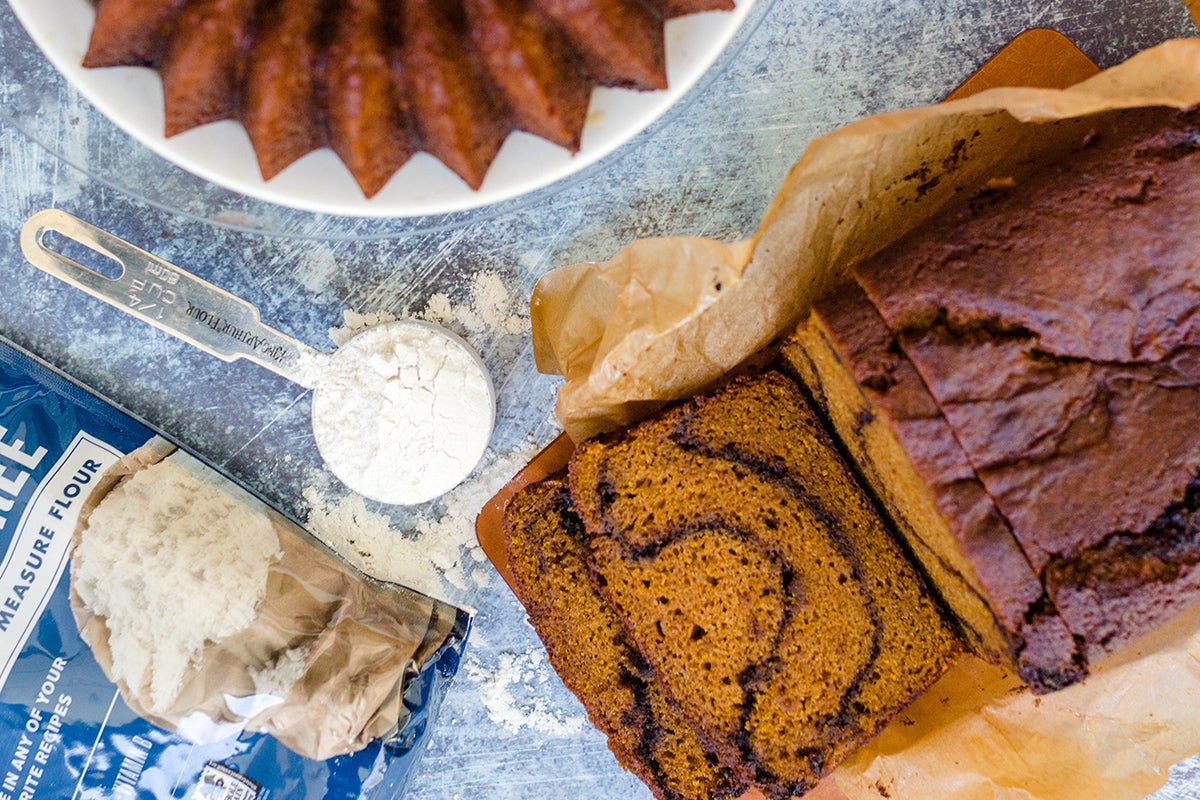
[{"x": 1039, "y": 58}]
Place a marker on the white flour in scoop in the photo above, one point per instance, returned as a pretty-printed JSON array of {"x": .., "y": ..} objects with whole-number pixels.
[{"x": 403, "y": 412}]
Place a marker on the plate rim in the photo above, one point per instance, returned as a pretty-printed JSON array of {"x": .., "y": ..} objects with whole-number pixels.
[{"x": 64, "y": 53}]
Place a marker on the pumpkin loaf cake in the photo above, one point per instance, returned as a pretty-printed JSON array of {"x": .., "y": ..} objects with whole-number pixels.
[
  {"x": 902, "y": 446},
  {"x": 1055, "y": 324},
  {"x": 757, "y": 580},
  {"x": 1015, "y": 382},
  {"x": 379, "y": 80},
  {"x": 587, "y": 646}
]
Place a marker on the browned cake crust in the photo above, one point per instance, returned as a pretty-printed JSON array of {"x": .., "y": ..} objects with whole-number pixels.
[
  {"x": 1055, "y": 324},
  {"x": 279, "y": 107},
  {"x": 131, "y": 33},
  {"x": 203, "y": 66},
  {"x": 455, "y": 112},
  {"x": 757, "y": 580},
  {"x": 678, "y": 8},
  {"x": 620, "y": 41},
  {"x": 896, "y": 437},
  {"x": 587, "y": 646},
  {"x": 381, "y": 79},
  {"x": 542, "y": 81},
  {"x": 367, "y": 109}
]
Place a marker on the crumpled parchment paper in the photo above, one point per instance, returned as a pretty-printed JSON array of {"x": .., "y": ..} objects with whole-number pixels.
[
  {"x": 668, "y": 317},
  {"x": 978, "y": 735}
]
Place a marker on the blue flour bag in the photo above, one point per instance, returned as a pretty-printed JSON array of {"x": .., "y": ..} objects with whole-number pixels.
[{"x": 69, "y": 731}]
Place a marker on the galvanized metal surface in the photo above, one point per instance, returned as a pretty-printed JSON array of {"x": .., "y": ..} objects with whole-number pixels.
[{"x": 800, "y": 68}]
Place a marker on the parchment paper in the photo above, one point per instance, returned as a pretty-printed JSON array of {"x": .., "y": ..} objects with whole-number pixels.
[
  {"x": 669, "y": 317},
  {"x": 977, "y": 735},
  {"x": 665, "y": 318},
  {"x": 360, "y": 640}
]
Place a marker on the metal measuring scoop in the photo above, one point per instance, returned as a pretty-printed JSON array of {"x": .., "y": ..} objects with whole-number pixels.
[{"x": 374, "y": 380}]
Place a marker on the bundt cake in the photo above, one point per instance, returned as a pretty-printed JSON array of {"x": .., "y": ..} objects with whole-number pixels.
[
  {"x": 588, "y": 647},
  {"x": 379, "y": 80},
  {"x": 1055, "y": 324},
  {"x": 896, "y": 437},
  {"x": 757, "y": 580}
]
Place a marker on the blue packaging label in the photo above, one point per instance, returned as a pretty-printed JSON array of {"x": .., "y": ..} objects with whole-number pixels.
[
  {"x": 37, "y": 551},
  {"x": 65, "y": 731}
]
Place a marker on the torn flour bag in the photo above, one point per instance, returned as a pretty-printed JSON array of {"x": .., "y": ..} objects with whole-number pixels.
[{"x": 164, "y": 634}]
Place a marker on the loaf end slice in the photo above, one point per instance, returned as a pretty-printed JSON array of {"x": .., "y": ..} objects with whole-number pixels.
[{"x": 589, "y": 649}]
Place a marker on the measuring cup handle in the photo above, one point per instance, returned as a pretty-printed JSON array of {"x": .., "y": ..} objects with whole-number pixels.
[{"x": 162, "y": 294}]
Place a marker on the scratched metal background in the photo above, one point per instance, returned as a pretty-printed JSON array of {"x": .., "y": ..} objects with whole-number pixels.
[{"x": 800, "y": 68}]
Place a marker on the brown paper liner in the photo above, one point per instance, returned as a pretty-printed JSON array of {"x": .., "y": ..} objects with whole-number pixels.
[
  {"x": 669, "y": 317},
  {"x": 978, "y": 734},
  {"x": 665, "y": 318},
  {"x": 361, "y": 639}
]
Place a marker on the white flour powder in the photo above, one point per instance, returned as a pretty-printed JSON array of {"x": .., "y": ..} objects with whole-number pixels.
[
  {"x": 171, "y": 562},
  {"x": 435, "y": 553},
  {"x": 277, "y": 678},
  {"x": 490, "y": 310},
  {"x": 403, "y": 412},
  {"x": 515, "y": 692}
]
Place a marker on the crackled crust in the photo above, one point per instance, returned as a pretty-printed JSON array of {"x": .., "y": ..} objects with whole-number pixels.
[{"x": 1055, "y": 324}]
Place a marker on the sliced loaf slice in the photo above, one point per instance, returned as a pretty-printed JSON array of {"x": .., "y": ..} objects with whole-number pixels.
[
  {"x": 1054, "y": 321},
  {"x": 589, "y": 649},
  {"x": 758, "y": 580},
  {"x": 896, "y": 436}
]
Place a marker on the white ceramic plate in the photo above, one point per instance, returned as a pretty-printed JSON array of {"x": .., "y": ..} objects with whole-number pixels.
[{"x": 221, "y": 152}]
